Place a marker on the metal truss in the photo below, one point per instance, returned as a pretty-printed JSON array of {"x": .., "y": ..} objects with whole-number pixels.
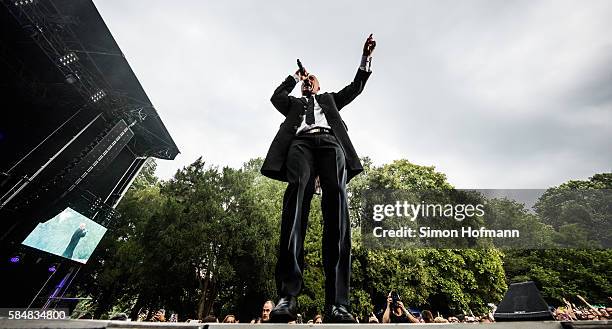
[
  {"x": 95, "y": 208},
  {"x": 58, "y": 184},
  {"x": 52, "y": 33}
]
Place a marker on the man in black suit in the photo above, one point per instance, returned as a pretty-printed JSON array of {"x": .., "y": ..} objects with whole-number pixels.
[{"x": 313, "y": 142}]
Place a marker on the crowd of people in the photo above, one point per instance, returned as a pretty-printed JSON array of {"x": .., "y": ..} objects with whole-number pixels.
[
  {"x": 569, "y": 312},
  {"x": 396, "y": 312}
]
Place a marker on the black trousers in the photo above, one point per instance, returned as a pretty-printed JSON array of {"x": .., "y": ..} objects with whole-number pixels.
[{"x": 311, "y": 155}]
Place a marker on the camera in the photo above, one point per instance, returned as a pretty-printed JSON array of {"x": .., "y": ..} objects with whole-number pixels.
[{"x": 395, "y": 297}]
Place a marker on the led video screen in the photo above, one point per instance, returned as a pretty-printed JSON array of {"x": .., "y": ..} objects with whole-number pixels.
[{"x": 69, "y": 234}]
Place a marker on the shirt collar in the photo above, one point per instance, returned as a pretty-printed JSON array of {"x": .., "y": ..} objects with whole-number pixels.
[{"x": 313, "y": 96}]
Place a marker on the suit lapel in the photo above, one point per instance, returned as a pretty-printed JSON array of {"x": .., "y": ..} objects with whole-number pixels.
[{"x": 321, "y": 104}]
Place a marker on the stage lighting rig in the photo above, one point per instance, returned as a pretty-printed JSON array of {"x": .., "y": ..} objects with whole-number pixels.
[
  {"x": 23, "y": 2},
  {"x": 68, "y": 59},
  {"x": 97, "y": 96}
]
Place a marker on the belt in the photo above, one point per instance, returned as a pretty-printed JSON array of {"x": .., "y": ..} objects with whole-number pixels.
[{"x": 318, "y": 130}]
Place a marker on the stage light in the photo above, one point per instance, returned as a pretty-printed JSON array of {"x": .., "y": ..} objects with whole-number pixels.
[
  {"x": 52, "y": 268},
  {"x": 68, "y": 59},
  {"x": 15, "y": 259},
  {"x": 23, "y": 2},
  {"x": 97, "y": 96}
]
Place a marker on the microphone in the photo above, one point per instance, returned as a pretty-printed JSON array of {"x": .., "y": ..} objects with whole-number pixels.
[{"x": 302, "y": 70}]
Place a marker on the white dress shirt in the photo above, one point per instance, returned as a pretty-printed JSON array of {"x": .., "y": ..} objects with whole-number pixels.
[{"x": 320, "y": 120}]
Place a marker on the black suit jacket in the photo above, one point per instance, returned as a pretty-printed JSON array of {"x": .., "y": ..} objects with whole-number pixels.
[{"x": 293, "y": 110}]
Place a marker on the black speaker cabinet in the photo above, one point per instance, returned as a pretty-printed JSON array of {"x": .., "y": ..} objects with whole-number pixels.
[{"x": 523, "y": 302}]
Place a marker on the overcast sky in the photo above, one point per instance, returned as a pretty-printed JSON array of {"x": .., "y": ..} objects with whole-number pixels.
[{"x": 495, "y": 94}]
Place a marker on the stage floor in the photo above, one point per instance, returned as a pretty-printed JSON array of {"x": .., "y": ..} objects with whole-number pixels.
[{"x": 101, "y": 324}]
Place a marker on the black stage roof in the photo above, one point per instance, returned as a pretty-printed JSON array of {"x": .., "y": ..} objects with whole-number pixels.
[{"x": 35, "y": 35}]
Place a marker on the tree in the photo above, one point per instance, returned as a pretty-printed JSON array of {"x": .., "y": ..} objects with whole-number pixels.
[
  {"x": 579, "y": 212},
  {"x": 224, "y": 235},
  {"x": 509, "y": 214},
  {"x": 202, "y": 237},
  {"x": 206, "y": 241},
  {"x": 446, "y": 280},
  {"x": 112, "y": 276},
  {"x": 582, "y": 206}
]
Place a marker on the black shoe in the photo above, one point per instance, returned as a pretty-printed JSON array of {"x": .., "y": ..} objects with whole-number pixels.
[
  {"x": 284, "y": 311},
  {"x": 339, "y": 314}
]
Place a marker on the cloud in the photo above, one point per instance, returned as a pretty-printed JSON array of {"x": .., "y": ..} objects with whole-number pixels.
[{"x": 493, "y": 93}]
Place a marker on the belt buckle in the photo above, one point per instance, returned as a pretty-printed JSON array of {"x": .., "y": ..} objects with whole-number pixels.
[{"x": 317, "y": 130}]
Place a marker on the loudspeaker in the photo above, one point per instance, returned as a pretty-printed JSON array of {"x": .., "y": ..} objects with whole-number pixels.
[{"x": 523, "y": 302}]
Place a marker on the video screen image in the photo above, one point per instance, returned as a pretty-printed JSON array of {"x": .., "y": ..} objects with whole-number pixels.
[{"x": 69, "y": 234}]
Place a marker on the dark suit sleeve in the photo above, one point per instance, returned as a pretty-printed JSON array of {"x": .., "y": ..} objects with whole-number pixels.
[
  {"x": 348, "y": 93},
  {"x": 280, "y": 98}
]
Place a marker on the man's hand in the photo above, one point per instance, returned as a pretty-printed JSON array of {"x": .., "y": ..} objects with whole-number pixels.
[
  {"x": 368, "y": 47},
  {"x": 301, "y": 76}
]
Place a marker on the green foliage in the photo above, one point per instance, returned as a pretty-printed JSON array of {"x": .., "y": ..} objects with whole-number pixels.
[
  {"x": 509, "y": 214},
  {"x": 204, "y": 236},
  {"x": 579, "y": 213},
  {"x": 403, "y": 175},
  {"x": 312, "y": 299},
  {"x": 206, "y": 241},
  {"x": 146, "y": 177},
  {"x": 449, "y": 281},
  {"x": 563, "y": 273}
]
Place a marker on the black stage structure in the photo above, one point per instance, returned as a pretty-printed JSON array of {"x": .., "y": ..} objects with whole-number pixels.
[{"x": 76, "y": 129}]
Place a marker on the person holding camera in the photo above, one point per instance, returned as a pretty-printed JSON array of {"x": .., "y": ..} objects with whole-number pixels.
[{"x": 396, "y": 311}]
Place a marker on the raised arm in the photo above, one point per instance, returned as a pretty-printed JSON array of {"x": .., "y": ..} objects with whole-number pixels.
[
  {"x": 387, "y": 315},
  {"x": 596, "y": 311},
  {"x": 411, "y": 317},
  {"x": 280, "y": 98},
  {"x": 350, "y": 92}
]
